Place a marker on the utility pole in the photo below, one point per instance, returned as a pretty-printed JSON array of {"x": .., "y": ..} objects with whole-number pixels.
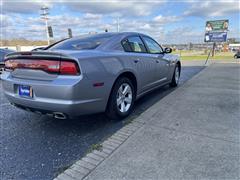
[{"x": 44, "y": 16}]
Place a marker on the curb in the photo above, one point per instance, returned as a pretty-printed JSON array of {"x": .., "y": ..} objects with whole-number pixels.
[{"x": 84, "y": 166}]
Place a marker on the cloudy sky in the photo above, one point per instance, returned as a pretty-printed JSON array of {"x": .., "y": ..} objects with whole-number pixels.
[{"x": 167, "y": 21}]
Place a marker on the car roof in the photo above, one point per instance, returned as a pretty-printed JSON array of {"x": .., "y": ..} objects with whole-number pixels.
[
  {"x": 113, "y": 38},
  {"x": 112, "y": 42},
  {"x": 106, "y": 34}
]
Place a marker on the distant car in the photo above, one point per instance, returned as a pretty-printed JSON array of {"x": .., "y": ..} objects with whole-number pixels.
[
  {"x": 237, "y": 55},
  {"x": 3, "y": 53},
  {"x": 90, "y": 74}
]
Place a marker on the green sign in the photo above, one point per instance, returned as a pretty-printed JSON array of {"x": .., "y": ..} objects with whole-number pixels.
[{"x": 218, "y": 25}]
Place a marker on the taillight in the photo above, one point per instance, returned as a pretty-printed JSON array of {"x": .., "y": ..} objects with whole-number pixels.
[
  {"x": 69, "y": 68},
  {"x": 59, "y": 67}
]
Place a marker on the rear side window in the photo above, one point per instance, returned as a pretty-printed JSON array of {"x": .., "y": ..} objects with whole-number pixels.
[
  {"x": 152, "y": 45},
  {"x": 133, "y": 44}
]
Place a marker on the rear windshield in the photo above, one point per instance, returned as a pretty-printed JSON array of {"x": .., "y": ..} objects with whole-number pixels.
[{"x": 82, "y": 43}]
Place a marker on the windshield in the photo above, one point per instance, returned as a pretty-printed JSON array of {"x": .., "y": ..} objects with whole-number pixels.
[{"x": 82, "y": 43}]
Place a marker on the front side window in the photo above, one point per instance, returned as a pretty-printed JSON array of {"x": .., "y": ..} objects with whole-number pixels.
[
  {"x": 152, "y": 45},
  {"x": 133, "y": 44}
]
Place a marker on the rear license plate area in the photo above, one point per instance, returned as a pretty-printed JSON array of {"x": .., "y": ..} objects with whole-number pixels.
[{"x": 25, "y": 91}]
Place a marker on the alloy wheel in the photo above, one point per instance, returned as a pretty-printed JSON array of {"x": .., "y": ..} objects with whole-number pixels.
[
  {"x": 124, "y": 97},
  {"x": 177, "y": 73}
]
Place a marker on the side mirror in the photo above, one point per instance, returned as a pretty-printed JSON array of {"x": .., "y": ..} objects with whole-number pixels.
[{"x": 167, "y": 50}]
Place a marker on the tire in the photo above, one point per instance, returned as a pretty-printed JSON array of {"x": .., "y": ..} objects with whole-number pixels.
[
  {"x": 175, "y": 78},
  {"x": 235, "y": 57},
  {"x": 120, "y": 105}
]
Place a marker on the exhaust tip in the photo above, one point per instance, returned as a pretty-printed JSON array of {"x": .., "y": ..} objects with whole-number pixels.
[{"x": 59, "y": 115}]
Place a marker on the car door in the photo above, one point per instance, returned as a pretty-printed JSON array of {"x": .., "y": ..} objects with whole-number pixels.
[
  {"x": 157, "y": 55},
  {"x": 143, "y": 64}
]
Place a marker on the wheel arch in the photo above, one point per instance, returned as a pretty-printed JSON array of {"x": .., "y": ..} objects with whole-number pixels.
[{"x": 131, "y": 76}]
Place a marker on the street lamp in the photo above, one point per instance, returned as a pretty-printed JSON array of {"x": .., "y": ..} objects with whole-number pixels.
[{"x": 44, "y": 16}]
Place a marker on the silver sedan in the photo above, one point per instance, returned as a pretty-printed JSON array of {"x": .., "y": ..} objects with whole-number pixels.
[{"x": 89, "y": 74}]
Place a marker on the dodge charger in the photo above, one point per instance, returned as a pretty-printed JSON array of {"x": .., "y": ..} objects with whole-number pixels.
[{"x": 89, "y": 74}]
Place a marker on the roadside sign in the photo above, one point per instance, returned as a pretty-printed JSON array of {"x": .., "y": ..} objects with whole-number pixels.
[
  {"x": 215, "y": 36},
  {"x": 50, "y": 32},
  {"x": 218, "y": 25},
  {"x": 216, "y": 31},
  {"x": 69, "y": 33}
]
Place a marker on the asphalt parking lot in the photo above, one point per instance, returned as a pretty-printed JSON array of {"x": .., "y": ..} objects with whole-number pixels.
[{"x": 37, "y": 147}]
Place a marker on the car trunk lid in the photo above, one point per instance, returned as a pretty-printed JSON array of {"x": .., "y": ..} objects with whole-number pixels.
[{"x": 39, "y": 65}]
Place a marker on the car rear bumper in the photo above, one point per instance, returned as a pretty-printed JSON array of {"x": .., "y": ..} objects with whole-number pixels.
[
  {"x": 72, "y": 97},
  {"x": 50, "y": 106}
]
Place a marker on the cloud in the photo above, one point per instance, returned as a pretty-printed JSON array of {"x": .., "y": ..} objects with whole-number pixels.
[
  {"x": 32, "y": 27},
  {"x": 212, "y": 8},
  {"x": 92, "y": 16},
  {"x": 134, "y": 16},
  {"x": 6, "y": 21},
  {"x": 166, "y": 19},
  {"x": 184, "y": 35},
  {"x": 22, "y": 7},
  {"x": 115, "y": 7},
  {"x": 154, "y": 27},
  {"x": 15, "y": 25},
  {"x": 19, "y": 20}
]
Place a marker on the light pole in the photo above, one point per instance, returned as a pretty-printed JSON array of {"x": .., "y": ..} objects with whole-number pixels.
[{"x": 44, "y": 16}]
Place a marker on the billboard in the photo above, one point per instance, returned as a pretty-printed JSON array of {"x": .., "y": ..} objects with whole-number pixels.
[
  {"x": 216, "y": 31},
  {"x": 215, "y": 36},
  {"x": 219, "y": 25}
]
